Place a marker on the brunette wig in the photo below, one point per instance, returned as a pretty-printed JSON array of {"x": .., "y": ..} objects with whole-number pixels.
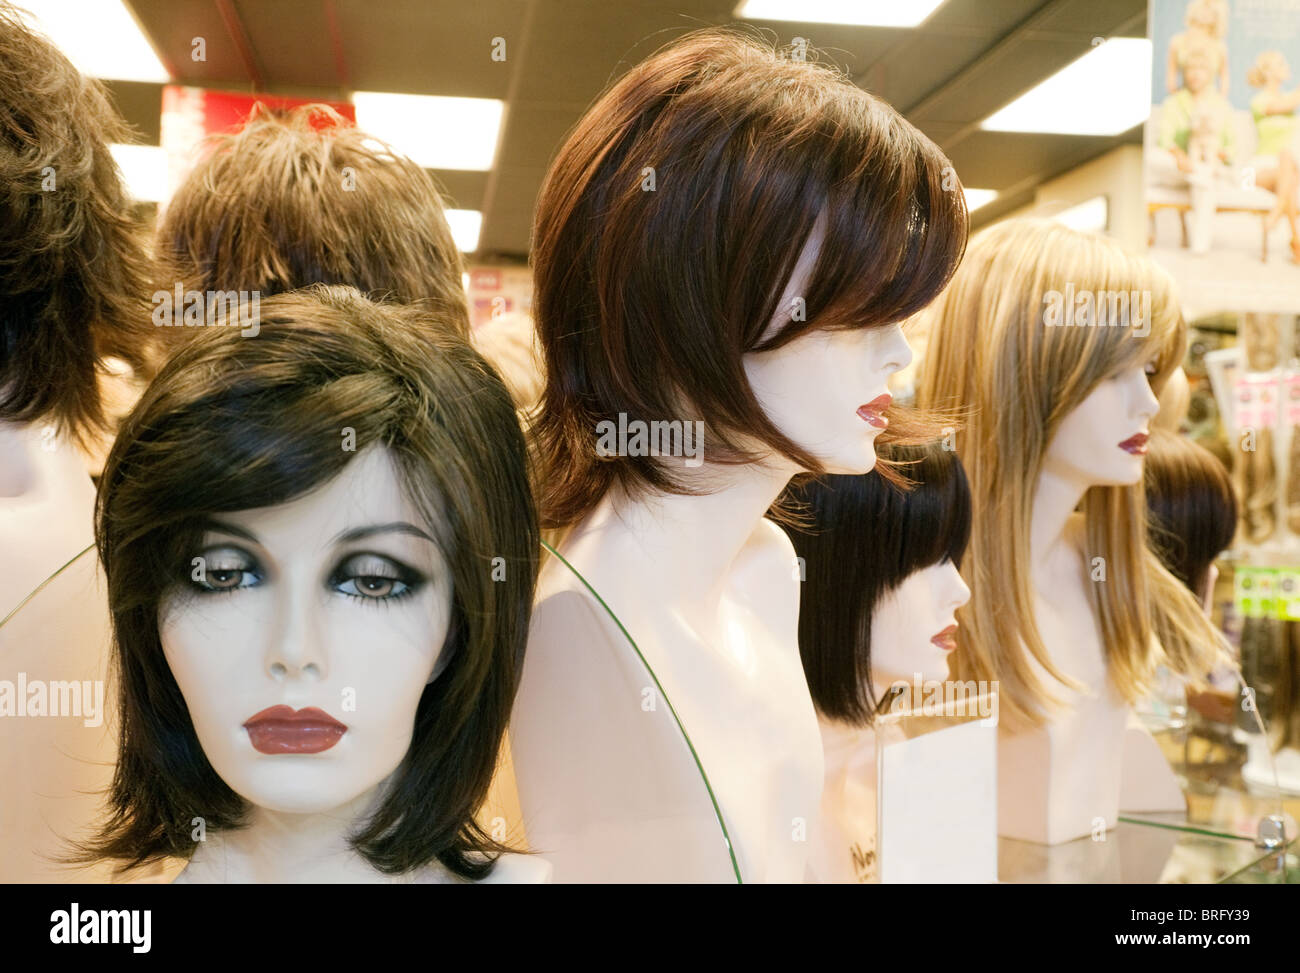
[
  {"x": 72, "y": 272},
  {"x": 1191, "y": 507},
  {"x": 670, "y": 224},
  {"x": 307, "y": 198},
  {"x": 860, "y": 537},
  {"x": 234, "y": 423}
]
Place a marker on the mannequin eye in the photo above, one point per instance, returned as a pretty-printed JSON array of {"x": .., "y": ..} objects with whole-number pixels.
[
  {"x": 375, "y": 578},
  {"x": 224, "y": 569}
]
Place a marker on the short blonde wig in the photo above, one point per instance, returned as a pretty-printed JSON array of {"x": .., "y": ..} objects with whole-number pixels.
[{"x": 995, "y": 357}]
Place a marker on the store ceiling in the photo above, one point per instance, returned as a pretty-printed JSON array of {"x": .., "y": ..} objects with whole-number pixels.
[{"x": 968, "y": 60}]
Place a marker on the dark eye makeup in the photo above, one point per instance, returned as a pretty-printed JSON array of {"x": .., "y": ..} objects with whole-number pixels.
[{"x": 365, "y": 575}]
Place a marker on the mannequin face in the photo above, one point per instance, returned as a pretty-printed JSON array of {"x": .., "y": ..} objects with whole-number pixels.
[
  {"x": 826, "y": 389},
  {"x": 337, "y": 603},
  {"x": 913, "y": 626},
  {"x": 1102, "y": 442}
]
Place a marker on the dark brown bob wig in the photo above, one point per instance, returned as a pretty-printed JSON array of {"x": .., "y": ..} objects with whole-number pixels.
[
  {"x": 307, "y": 198},
  {"x": 234, "y": 423},
  {"x": 860, "y": 538},
  {"x": 72, "y": 271},
  {"x": 670, "y": 224},
  {"x": 1191, "y": 507}
]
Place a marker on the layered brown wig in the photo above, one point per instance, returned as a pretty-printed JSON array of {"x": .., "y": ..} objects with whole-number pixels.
[
  {"x": 234, "y": 423},
  {"x": 307, "y": 198},
  {"x": 1191, "y": 507},
  {"x": 72, "y": 267},
  {"x": 860, "y": 537},
  {"x": 670, "y": 224}
]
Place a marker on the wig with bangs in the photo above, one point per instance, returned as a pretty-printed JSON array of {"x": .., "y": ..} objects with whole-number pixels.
[
  {"x": 860, "y": 537},
  {"x": 996, "y": 357},
  {"x": 670, "y": 224},
  {"x": 235, "y": 423}
]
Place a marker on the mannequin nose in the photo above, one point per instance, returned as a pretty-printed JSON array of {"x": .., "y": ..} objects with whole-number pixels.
[
  {"x": 898, "y": 353},
  {"x": 1147, "y": 403},
  {"x": 958, "y": 590},
  {"x": 296, "y": 646}
]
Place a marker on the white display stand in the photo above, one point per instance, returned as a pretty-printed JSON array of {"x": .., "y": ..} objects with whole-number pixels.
[
  {"x": 1147, "y": 782},
  {"x": 912, "y": 799}
]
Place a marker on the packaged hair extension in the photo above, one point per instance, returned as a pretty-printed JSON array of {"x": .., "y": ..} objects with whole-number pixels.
[
  {"x": 1259, "y": 338},
  {"x": 1262, "y": 642},
  {"x": 1254, "y": 469}
]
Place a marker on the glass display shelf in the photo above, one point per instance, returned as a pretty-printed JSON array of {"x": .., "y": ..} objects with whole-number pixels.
[{"x": 1132, "y": 853}]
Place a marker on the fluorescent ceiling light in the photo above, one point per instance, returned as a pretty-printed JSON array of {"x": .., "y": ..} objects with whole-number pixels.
[
  {"x": 433, "y": 131},
  {"x": 975, "y": 198},
  {"x": 144, "y": 170},
  {"x": 100, "y": 37},
  {"x": 1090, "y": 216},
  {"x": 465, "y": 225},
  {"x": 863, "y": 13},
  {"x": 1105, "y": 92}
]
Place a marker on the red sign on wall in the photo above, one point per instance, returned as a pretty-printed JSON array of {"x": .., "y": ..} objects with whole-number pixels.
[{"x": 191, "y": 115}]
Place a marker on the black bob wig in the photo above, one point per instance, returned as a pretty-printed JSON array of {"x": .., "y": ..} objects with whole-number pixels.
[{"x": 859, "y": 537}]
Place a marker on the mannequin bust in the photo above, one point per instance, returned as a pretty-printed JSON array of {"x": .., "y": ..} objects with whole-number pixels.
[
  {"x": 70, "y": 297},
  {"x": 320, "y": 548},
  {"x": 1070, "y": 611},
  {"x": 764, "y": 324},
  {"x": 877, "y": 609}
]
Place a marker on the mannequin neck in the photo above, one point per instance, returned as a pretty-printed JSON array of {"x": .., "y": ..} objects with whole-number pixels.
[
  {"x": 1056, "y": 495},
  {"x": 844, "y": 744},
  {"x": 689, "y": 543},
  {"x": 278, "y": 847}
]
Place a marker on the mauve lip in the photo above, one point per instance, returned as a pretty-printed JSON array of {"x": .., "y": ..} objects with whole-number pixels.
[
  {"x": 873, "y": 412},
  {"x": 1137, "y": 445},
  {"x": 281, "y": 729},
  {"x": 947, "y": 639}
]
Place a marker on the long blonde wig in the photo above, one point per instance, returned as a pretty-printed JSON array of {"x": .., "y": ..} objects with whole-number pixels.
[{"x": 994, "y": 358}]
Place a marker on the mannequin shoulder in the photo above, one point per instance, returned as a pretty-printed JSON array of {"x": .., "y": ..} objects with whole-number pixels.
[
  {"x": 768, "y": 557},
  {"x": 519, "y": 870}
]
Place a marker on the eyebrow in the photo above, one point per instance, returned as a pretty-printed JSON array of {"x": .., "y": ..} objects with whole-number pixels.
[
  {"x": 225, "y": 528},
  {"x": 397, "y": 527},
  {"x": 352, "y": 534}
]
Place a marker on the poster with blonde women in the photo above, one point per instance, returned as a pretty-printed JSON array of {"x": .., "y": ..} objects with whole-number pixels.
[{"x": 1221, "y": 175}]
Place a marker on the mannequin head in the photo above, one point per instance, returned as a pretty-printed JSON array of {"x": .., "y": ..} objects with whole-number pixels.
[
  {"x": 721, "y": 224},
  {"x": 1054, "y": 344},
  {"x": 881, "y": 583},
  {"x": 1193, "y": 510},
  {"x": 333, "y": 516},
  {"x": 308, "y": 199},
  {"x": 73, "y": 284}
]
